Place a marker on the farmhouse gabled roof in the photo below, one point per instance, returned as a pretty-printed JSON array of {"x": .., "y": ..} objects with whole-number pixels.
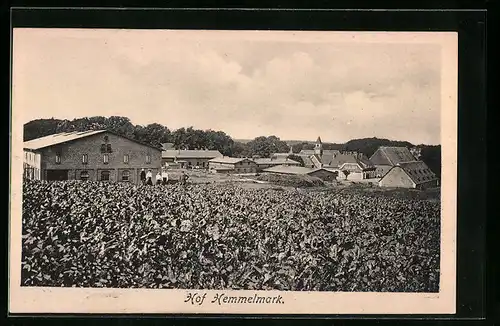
[
  {"x": 363, "y": 162},
  {"x": 390, "y": 155},
  {"x": 66, "y": 137},
  {"x": 418, "y": 171},
  {"x": 187, "y": 153}
]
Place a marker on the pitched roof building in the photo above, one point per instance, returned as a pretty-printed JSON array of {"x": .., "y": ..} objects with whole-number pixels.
[
  {"x": 323, "y": 174},
  {"x": 263, "y": 163},
  {"x": 98, "y": 155},
  {"x": 413, "y": 174},
  {"x": 385, "y": 157},
  {"x": 189, "y": 158},
  {"x": 232, "y": 165}
]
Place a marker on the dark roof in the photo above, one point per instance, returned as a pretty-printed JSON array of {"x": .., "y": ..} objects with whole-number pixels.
[
  {"x": 318, "y": 140},
  {"x": 418, "y": 171},
  {"x": 187, "y": 153},
  {"x": 386, "y": 155},
  {"x": 66, "y": 137},
  {"x": 361, "y": 160}
]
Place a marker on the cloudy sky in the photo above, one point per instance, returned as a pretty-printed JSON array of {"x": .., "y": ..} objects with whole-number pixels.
[{"x": 295, "y": 85}]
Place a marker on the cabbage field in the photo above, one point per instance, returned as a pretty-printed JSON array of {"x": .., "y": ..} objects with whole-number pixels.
[{"x": 224, "y": 236}]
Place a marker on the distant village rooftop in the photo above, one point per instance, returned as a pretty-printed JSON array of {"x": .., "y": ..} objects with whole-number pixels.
[
  {"x": 275, "y": 161},
  {"x": 290, "y": 169},
  {"x": 187, "y": 153}
]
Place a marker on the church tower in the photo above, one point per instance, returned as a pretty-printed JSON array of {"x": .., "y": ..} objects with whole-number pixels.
[{"x": 318, "y": 148}]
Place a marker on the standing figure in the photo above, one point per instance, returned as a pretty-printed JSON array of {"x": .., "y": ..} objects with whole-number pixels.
[
  {"x": 143, "y": 176},
  {"x": 164, "y": 176},
  {"x": 149, "y": 178},
  {"x": 184, "y": 177},
  {"x": 158, "y": 178}
]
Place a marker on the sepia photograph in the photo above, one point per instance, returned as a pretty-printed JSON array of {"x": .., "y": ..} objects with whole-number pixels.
[{"x": 233, "y": 171}]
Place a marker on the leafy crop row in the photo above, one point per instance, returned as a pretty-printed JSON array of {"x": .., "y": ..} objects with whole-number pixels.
[{"x": 89, "y": 234}]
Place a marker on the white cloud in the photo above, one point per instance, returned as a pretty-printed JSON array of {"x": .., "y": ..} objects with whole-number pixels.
[{"x": 295, "y": 91}]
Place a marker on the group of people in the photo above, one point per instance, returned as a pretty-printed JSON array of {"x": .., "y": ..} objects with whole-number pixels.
[{"x": 161, "y": 177}]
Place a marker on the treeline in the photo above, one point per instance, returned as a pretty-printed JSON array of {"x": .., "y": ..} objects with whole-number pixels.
[
  {"x": 190, "y": 138},
  {"x": 157, "y": 134},
  {"x": 154, "y": 134}
]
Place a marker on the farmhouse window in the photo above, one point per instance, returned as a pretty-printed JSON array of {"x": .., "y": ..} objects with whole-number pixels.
[
  {"x": 125, "y": 158},
  {"x": 126, "y": 175},
  {"x": 58, "y": 158},
  {"x": 108, "y": 148},
  {"x": 85, "y": 159},
  {"x": 105, "y": 175},
  {"x": 106, "y": 138},
  {"x": 84, "y": 175},
  {"x": 103, "y": 148},
  {"x": 105, "y": 159},
  {"x": 148, "y": 159}
]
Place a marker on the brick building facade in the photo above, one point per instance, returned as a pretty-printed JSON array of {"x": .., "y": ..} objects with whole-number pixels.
[{"x": 91, "y": 155}]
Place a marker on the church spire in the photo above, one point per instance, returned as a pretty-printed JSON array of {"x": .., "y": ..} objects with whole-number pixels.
[{"x": 318, "y": 148}]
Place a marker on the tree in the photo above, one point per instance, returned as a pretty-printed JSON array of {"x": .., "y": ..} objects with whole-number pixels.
[
  {"x": 346, "y": 173},
  {"x": 296, "y": 158},
  {"x": 240, "y": 149},
  {"x": 431, "y": 155},
  {"x": 368, "y": 146},
  {"x": 264, "y": 146}
]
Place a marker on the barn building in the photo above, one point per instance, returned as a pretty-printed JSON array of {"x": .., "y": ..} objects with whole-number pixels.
[
  {"x": 264, "y": 163},
  {"x": 232, "y": 165},
  {"x": 415, "y": 174},
  {"x": 323, "y": 174},
  {"x": 358, "y": 165},
  {"x": 188, "y": 158},
  {"x": 386, "y": 157},
  {"x": 97, "y": 155}
]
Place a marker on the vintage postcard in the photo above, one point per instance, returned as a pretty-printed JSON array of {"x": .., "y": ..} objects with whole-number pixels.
[{"x": 233, "y": 172}]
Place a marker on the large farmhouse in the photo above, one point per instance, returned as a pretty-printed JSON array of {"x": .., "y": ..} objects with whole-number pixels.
[
  {"x": 97, "y": 155},
  {"x": 232, "y": 165},
  {"x": 415, "y": 174},
  {"x": 386, "y": 157},
  {"x": 188, "y": 158}
]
